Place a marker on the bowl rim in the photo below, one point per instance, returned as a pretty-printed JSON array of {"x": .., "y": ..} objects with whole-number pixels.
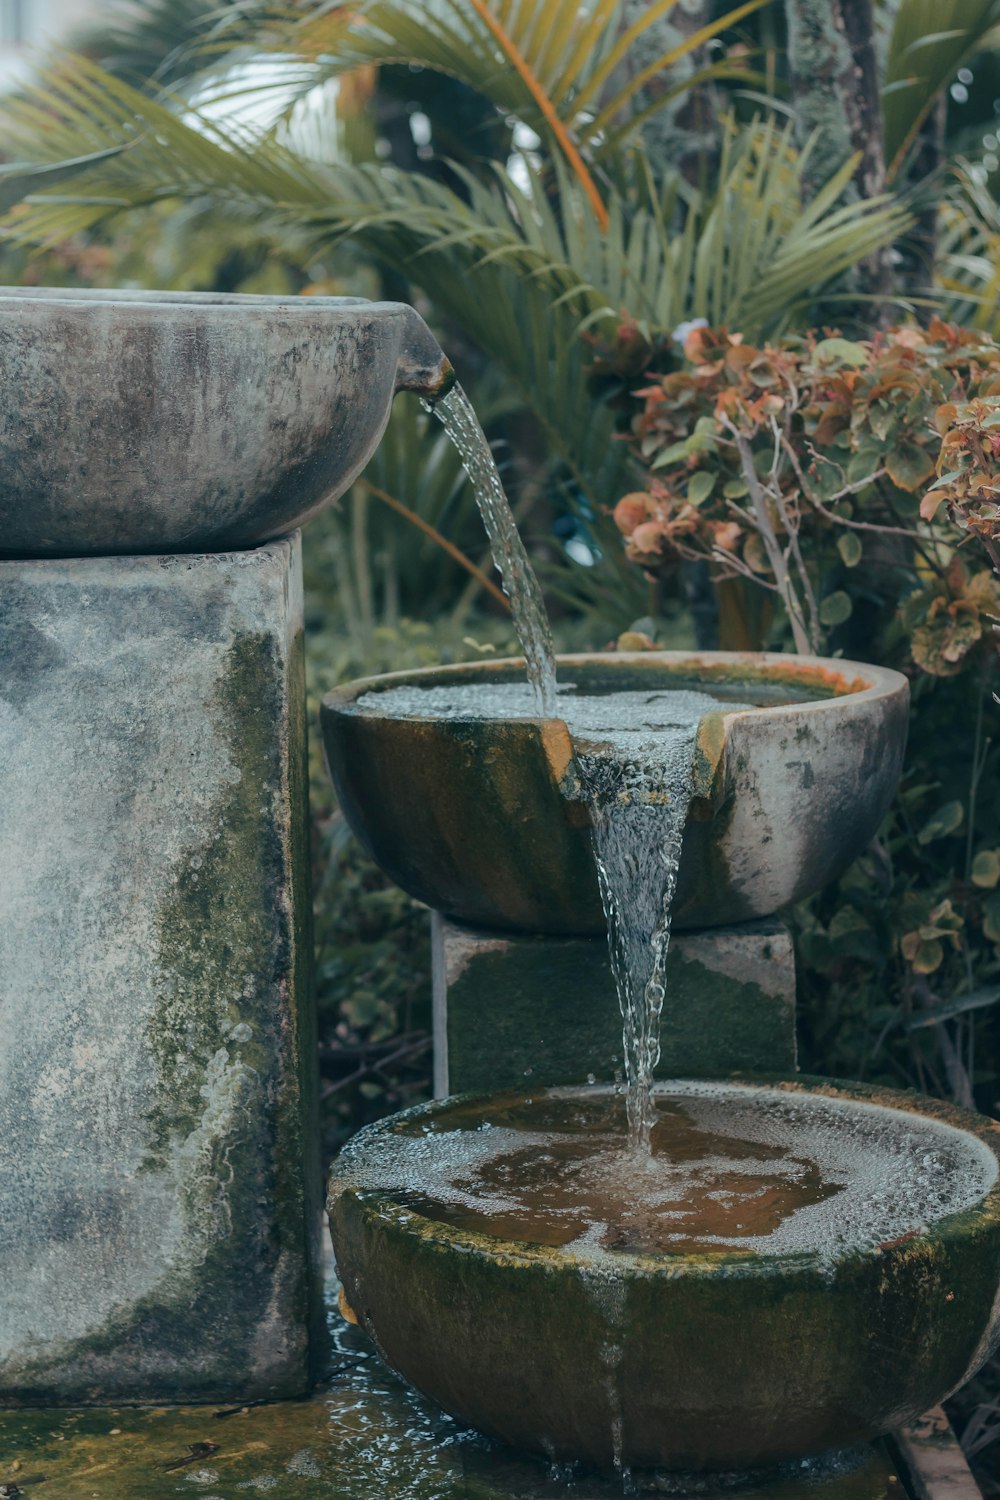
[
  {"x": 861, "y": 682},
  {"x": 91, "y": 300},
  {"x": 950, "y": 1228}
]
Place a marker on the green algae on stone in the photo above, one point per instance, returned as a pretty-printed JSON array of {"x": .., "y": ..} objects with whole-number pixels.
[
  {"x": 732, "y": 1006},
  {"x": 363, "y": 1435},
  {"x": 216, "y": 938},
  {"x": 203, "y": 1138},
  {"x": 723, "y": 1359}
]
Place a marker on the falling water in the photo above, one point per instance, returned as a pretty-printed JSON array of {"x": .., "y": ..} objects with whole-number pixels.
[
  {"x": 637, "y": 847},
  {"x": 633, "y": 754},
  {"x": 531, "y": 622},
  {"x": 640, "y": 801},
  {"x": 640, "y": 789}
]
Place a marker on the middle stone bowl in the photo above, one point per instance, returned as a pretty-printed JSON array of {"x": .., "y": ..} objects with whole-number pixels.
[
  {"x": 482, "y": 818},
  {"x": 799, "y": 1266}
]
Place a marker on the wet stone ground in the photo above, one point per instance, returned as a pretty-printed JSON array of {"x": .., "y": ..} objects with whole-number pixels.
[{"x": 363, "y": 1435}]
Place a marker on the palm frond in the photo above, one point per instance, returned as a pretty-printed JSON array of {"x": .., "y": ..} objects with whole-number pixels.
[
  {"x": 969, "y": 251},
  {"x": 557, "y": 65},
  {"x": 930, "y": 41}
]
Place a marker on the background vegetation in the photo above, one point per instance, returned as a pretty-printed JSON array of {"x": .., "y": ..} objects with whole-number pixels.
[{"x": 704, "y": 270}]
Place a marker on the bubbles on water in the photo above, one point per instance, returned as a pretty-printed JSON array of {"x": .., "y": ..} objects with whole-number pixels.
[{"x": 761, "y": 1171}]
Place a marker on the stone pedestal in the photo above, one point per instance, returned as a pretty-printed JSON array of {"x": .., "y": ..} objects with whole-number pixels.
[
  {"x": 160, "y": 1199},
  {"x": 513, "y": 1011}
]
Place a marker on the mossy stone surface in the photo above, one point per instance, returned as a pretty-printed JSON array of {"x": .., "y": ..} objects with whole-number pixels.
[
  {"x": 483, "y": 819},
  {"x": 514, "y": 1011},
  {"x": 157, "y": 1142},
  {"x": 363, "y": 1435}
]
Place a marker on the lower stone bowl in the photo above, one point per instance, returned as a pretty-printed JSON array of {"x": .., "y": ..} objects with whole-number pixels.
[
  {"x": 827, "y": 1290},
  {"x": 482, "y": 819}
]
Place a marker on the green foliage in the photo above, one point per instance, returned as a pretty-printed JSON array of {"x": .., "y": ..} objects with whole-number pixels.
[
  {"x": 787, "y": 464},
  {"x": 929, "y": 42},
  {"x": 853, "y": 481},
  {"x": 900, "y": 959}
]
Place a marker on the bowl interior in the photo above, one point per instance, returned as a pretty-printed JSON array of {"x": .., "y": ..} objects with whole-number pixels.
[
  {"x": 763, "y": 681},
  {"x": 736, "y": 1170}
]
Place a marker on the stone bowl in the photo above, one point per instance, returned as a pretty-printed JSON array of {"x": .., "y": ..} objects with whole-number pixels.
[
  {"x": 145, "y": 422},
  {"x": 686, "y": 1361},
  {"x": 482, "y": 820}
]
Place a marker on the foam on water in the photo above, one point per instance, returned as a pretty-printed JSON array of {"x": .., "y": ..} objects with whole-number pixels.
[
  {"x": 757, "y": 1170},
  {"x": 634, "y": 752}
]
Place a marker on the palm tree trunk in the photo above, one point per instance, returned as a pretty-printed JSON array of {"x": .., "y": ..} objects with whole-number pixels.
[
  {"x": 834, "y": 73},
  {"x": 684, "y": 135}
]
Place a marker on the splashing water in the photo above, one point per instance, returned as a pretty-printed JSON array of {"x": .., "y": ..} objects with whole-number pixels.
[
  {"x": 733, "y": 1167},
  {"x": 634, "y": 753},
  {"x": 531, "y": 622}
]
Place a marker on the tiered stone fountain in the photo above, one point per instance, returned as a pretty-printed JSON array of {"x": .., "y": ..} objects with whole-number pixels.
[
  {"x": 543, "y": 1318},
  {"x": 160, "y": 1197}
]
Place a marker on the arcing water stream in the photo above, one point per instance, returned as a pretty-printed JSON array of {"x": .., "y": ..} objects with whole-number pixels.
[
  {"x": 531, "y": 621},
  {"x": 638, "y": 779}
]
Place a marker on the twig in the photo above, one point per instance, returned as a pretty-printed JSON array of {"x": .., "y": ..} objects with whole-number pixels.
[
  {"x": 771, "y": 547},
  {"x": 453, "y": 552}
]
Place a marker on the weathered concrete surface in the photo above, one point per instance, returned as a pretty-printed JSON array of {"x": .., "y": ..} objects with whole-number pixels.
[
  {"x": 695, "y": 1360},
  {"x": 364, "y": 1435},
  {"x": 511, "y": 1010},
  {"x": 135, "y": 421},
  {"x": 159, "y": 1192}
]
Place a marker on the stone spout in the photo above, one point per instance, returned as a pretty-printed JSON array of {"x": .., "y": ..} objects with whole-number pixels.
[{"x": 422, "y": 367}]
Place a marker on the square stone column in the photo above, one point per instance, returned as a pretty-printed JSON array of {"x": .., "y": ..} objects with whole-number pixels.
[
  {"x": 512, "y": 1011},
  {"x": 159, "y": 1182}
]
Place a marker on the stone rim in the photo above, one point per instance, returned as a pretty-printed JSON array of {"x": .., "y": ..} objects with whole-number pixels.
[
  {"x": 716, "y": 1263},
  {"x": 725, "y": 1361}
]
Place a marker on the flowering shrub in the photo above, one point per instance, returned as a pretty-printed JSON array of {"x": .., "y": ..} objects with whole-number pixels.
[
  {"x": 858, "y": 485},
  {"x": 792, "y": 464}
]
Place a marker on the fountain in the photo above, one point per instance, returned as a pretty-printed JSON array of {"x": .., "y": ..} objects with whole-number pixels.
[
  {"x": 744, "y": 1277},
  {"x": 753, "y": 1272}
]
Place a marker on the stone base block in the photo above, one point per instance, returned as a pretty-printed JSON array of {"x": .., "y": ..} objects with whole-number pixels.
[
  {"x": 160, "y": 1200},
  {"x": 511, "y": 1011}
]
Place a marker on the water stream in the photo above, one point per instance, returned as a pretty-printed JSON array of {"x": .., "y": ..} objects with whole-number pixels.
[
  {"x": 633, "y": 754},
  {"x": 638, "y": 779},
  {"x": 531, "y": 621}
]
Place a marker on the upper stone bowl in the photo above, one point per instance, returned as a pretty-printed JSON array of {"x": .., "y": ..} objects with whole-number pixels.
[
  {"x": 144, "y": 422},
  {"x": 482, "y": 819}
]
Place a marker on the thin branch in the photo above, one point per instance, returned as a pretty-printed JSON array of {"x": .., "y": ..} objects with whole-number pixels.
[
  {"x": 771, "y": 547},
  {"x": 792, "y": 530},
  {"x": 442, "y": 541},
  {"x": 737, "y": 568}
]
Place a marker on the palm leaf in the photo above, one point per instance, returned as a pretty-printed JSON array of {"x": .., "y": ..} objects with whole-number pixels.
[
  {"x": 526, "y": 271},
  {"x": 552, "y": 63},
  {"x": 930, "y": 41}
]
